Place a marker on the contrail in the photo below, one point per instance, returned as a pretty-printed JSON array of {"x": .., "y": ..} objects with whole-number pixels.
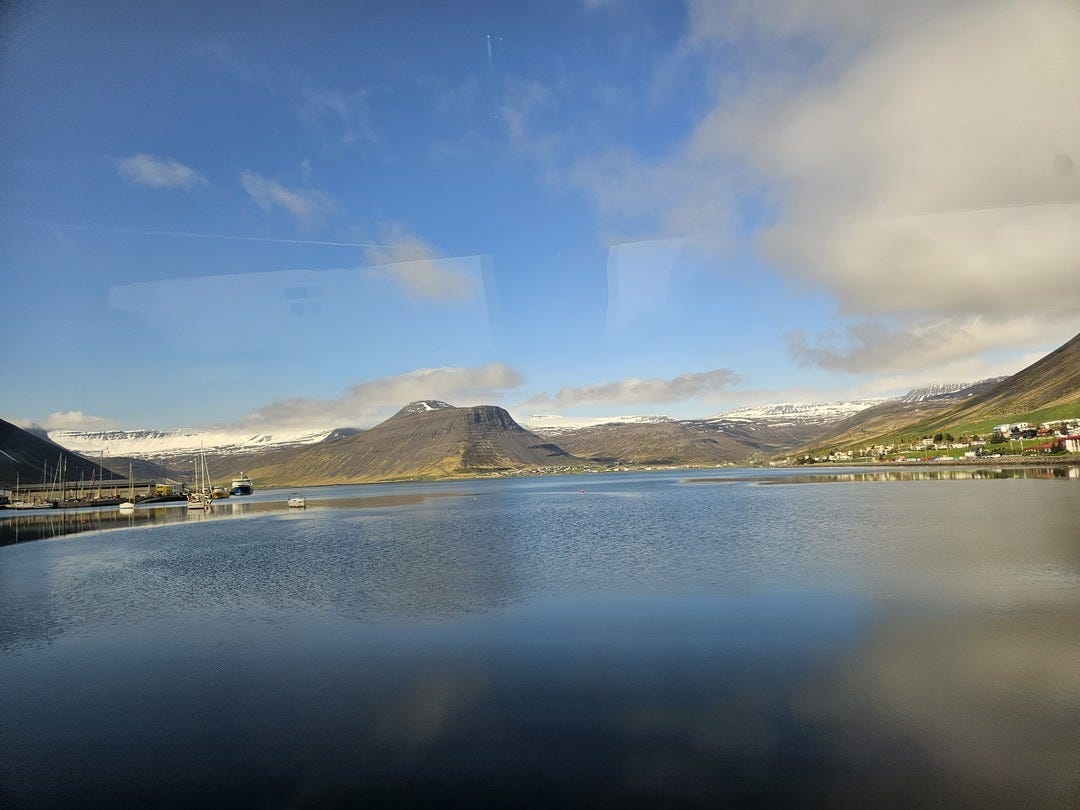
[{"x": 195, "y": 235}]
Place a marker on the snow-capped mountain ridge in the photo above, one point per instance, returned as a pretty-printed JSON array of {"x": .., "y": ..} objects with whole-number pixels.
[
  {"x": 153, "y": 443},
  {"x": 554, "y": 424},
  {"x": 798, "y": 412},
  {"x": 229, "y": 440},
  {"x": 942, "y": 390}
]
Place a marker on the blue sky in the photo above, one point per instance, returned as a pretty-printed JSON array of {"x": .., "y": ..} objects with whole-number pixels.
[{"x": 267, "y": 215}]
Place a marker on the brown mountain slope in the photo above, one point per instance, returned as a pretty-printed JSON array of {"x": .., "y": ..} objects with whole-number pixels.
[
  {"x": 656, "y": 443},
  {"x": 445, "y": 441},
  {"x": 29, "y": 457},
  {"x": 867, "y": 427},
  {"x": 1053, "y": 380}
]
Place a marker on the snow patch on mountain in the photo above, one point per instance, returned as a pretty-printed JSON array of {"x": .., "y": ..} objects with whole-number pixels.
[
  {"x": 151, "y": 443},
  {"x": 803, "y": 413},
  {"x": 554, "y": 424},
  {"x": 944, "y": 390},
  {"x": 423, "y": 406}
]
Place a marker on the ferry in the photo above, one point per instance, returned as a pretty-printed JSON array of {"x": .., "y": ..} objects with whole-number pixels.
[{"x": 242, "y": 485}]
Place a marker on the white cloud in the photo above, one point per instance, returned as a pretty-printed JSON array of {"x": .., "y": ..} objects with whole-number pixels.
[
  {"x": 963, "y": 370},
  {"x": 632, "y": 390},
  {"x": 367, "y": 403},
  {"x": 339, "y": 116},
  {"x": 922, "y": 168},
  {"x": 306, "y": 204},
  {"x": 408, "y": 261},
  {"x": 158, "y": 172},
  {"x": 76, "y": 420},
  {"x": 345, "y": 115},
  {"x": 926, "y": 345},
  {"x": 932, "y": 175}
]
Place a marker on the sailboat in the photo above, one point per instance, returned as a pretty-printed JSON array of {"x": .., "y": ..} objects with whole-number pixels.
[
  {"x": 129, "y": 504},
  {"x": 201, "y": 497}
]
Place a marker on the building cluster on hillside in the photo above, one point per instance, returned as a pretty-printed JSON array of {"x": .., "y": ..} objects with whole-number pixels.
[
  {"x": 1061, "y": 435},
  {"x": 1023, "y": 430}
]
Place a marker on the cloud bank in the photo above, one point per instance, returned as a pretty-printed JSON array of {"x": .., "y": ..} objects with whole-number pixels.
[
  {"x": 305, "y": 204},
  {"x": 921, "y": 168},
  {"x": 76, "y": 420},
  {"x": 369, "y": 402},
  {"x": 632, "y": 390},
  {"x": 885, "y": 346},
  {"x": 158, "y": 172},
  {"x": 412, "y": 264}
]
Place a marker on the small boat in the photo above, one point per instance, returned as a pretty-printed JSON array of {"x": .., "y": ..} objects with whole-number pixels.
[
  {"x": 201, "y": 498},
  {"x": 242, "y": 485},
  {"x": 128, "y": 504},
  {"x": 297, "y": 502},
  {"x": 197, "y": 500}
]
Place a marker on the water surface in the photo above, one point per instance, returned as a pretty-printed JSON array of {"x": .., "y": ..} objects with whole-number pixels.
[{"x": 652, "y": 639}]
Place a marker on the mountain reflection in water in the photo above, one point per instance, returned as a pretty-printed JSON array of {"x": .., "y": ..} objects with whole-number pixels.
[
  {"x": 907, "y": 474},
  {"x": 524, "y": 642},
  {"x": 23, "y": 526}
]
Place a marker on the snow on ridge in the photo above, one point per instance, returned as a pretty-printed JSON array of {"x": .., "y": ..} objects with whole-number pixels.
[
  {"x": 425, "y": 405},
  {"x": 942, "y": 390},
  {"x": 180, "y": 441},
  {"x": 788, "y": 413},
  {"x": 553, "y": 424}
]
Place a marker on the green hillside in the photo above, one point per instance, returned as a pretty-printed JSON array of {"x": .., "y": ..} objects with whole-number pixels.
[{"x": 1046, "y": 391}]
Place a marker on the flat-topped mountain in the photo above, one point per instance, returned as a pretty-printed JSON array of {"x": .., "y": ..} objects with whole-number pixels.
[{"x": 427, "y": 439}]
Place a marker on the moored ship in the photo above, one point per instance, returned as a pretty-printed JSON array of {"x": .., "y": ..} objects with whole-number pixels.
[{"x": 242, "y": 485}]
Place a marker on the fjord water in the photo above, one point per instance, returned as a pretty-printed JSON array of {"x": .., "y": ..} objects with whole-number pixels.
[{"x": 734, "y": 637}]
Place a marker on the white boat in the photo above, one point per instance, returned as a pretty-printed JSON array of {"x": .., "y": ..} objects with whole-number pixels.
[
  {"x": 201, "y": 497},
  {"x": 197, "y": 500},
  {"x": 128, "y": 505},
  {"x": 241, "y": 485},
  {"x": 297, "y": 502}
]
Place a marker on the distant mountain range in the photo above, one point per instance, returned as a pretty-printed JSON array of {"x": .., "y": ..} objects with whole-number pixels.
[
  {"x": 163, "y": 444},
  {"x": 556, "y": 425},
  {"x": 433, "y": 439},
  {"x": 780, "y": 424},
  {"x": 816, "y": 413},
  {"x": 950, "y": 391}
]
